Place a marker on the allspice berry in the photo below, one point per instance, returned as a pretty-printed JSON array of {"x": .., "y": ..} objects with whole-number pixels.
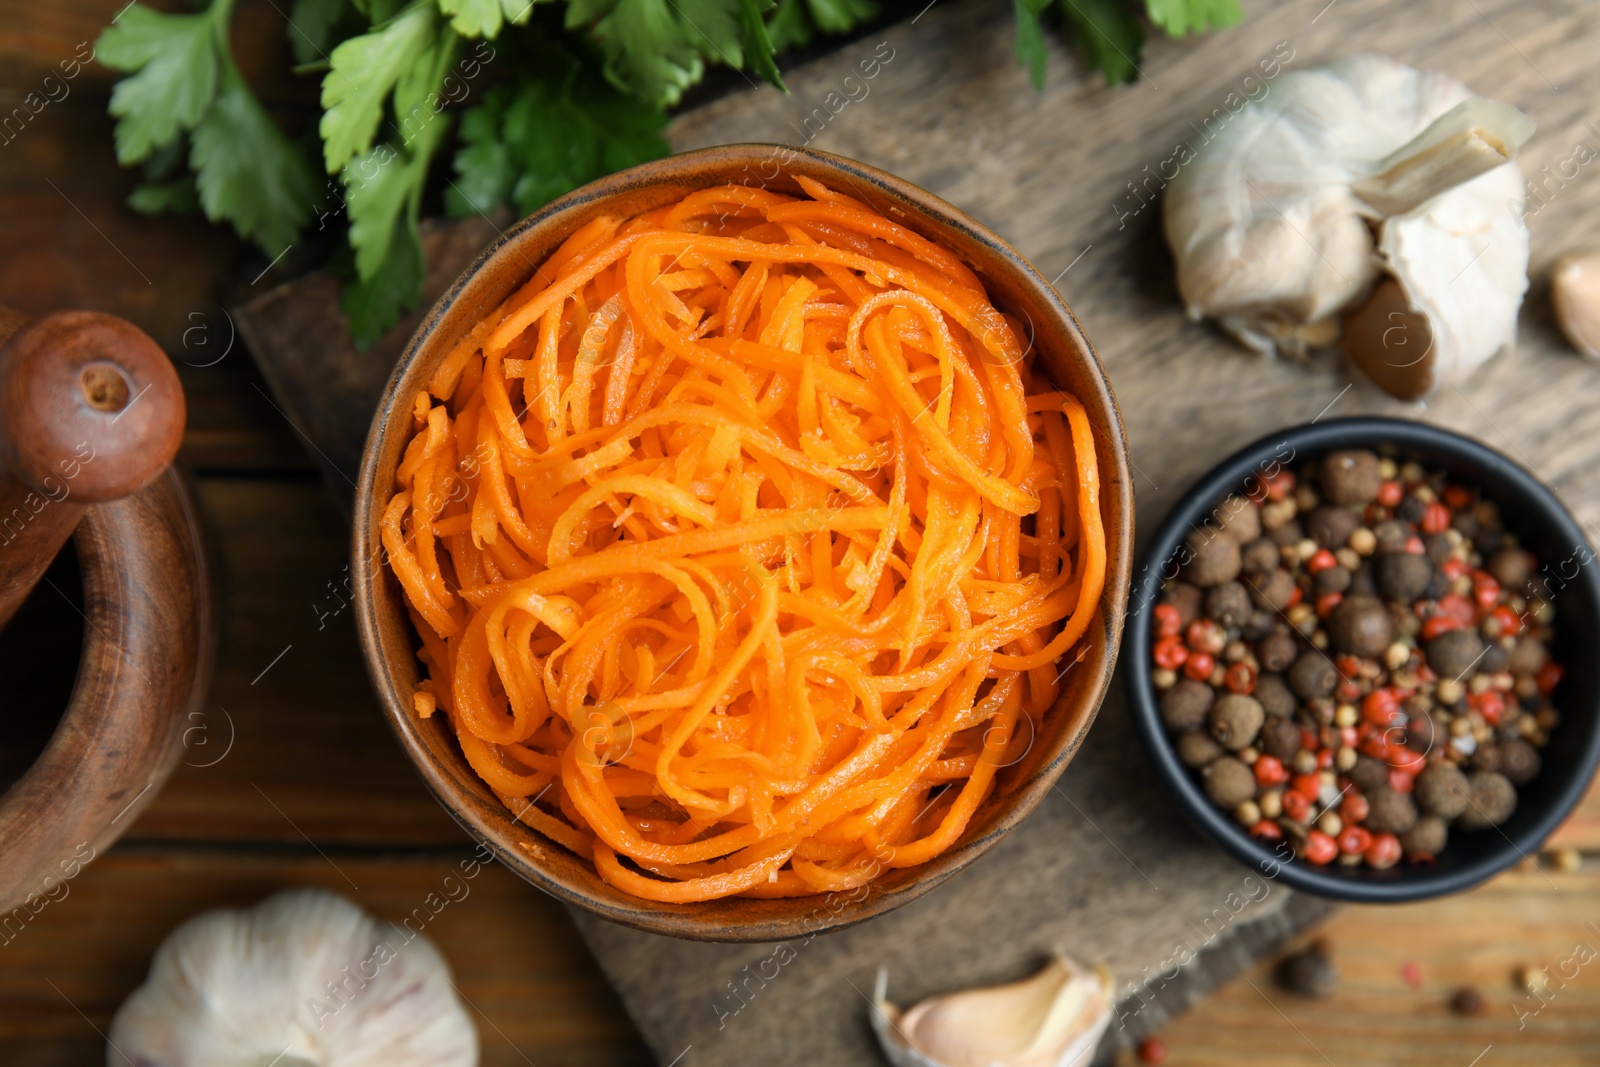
[
  {"x": 1331, "y": 526},
  {"x": 1228, "y": 782},
  {"x": 1185, "y": 704},
  {"x": 1236, "y": 720},
  {"x": 1280, "y": 737},
  {"x": 1310, "y": 973},
  {"x": 1361, "y": 626},
  {"x": 1229, "y": 604},
  {"x": 1332, "y": 580},
  {"x": 1214, "y": 559},
  {"x": 1196, "y": 748},
  {"x": 1240, "y": 519},
  {"x": 1389, "y": 812},
  {"x": 1260, "y": 556},
  {"x": 1442, "y": 790},
  {"x": 1468, "y": 1001},
  {"x": 1351, "y": 477},
  {"x": 1276, "y": 652},
  {"x": 1312, "y": 676},
  {"x": 1273, "y": 590},
  {"x": 1369, "y": 774},
  {"x": 1401, "y": 575},
  {"x": 1426, "y": 838},
  {"x": 1493, "y": 799},
  {"x": 1519, "y": 761},
  {"x": 1452, "y": 654},
  {"x": 1512, "y": 567},
  {"x": 1273, "y": 696}
]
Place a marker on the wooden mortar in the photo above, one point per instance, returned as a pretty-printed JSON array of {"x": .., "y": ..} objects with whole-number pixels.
[{"x": 91, "y": 416}]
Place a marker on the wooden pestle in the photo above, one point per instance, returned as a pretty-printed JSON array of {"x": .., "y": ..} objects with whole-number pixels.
[{"x": 90, "y": 410}]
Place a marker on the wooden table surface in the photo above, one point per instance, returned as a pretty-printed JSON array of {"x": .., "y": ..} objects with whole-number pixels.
[{"x": 292, "y": 778}]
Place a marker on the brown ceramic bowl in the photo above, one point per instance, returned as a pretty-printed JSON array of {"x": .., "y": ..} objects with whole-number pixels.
[{"x": 389, "y": 642}]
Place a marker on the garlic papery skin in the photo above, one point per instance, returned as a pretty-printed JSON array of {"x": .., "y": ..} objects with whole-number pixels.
[
  {"x": 1575, "y": 296},
  {"x": 1293, "y": 211},
  {"x": 1055, "y": 1018},
  {"x": 304, "y": 979}
]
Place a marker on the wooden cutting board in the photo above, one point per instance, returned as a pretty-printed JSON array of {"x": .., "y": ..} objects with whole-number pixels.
[{"x": 1106, "y": 869}]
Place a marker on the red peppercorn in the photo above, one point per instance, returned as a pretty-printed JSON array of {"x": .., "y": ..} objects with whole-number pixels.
[
  {"x": 1348, "y": 737},
  {"x": 1240, "y": 678},
  {"x": 1411, "y": 974},
  {"x": 1324, "y": 758},
  {"x": 1355, "y": 840},
  {"x": 1485, "y": 590},
  {"x": 1170, "y": 652},
  {"x": 1321, "y": 561},
  {"x": 1307, "y": 785},
  {"x": 1326, "y": 603},
  {"x": 1347, "y": 666},
  {"x": 1458, "y": 608},
  {"x": 1507, "y": 622},
  {"x": 1354, "y": 808},
  {"x": 1401, "y": 781},
  {"x": 1295, "y": 596},
  {"x": 1347, "y": 691},
  {"x": 1296, "y": 806},
  {"x": 1414, "y": 545},
  {"x": 1267, "y": 830},
  {"x": 1439, "y": 624},
  {"x": 1320, "y": 848},
  {"x": 1269, "y": 771},
  {"x": 1490, "y": 704},
  {"x": 1436, "y": 519},
  {"x": 1376, "y": 746},
  {"x": 1169, "y": 620},
  {"x": 1549, "y": 676},
  {"x": 1381, "y": 707},
  {"x": 1385, "y": 851},
  {"x": 1308, "y": 737},
  {"x": 1280, "y": 485},
  {"x": 1390, "y": 493},
  {"x": 1152, "y": 1050},
  {"x": 1452, "y": 568},
  {"x": 1199, "y": 666},
  {"x": 1204, "y": 635},
  {"x": 1457, "y": 497}
]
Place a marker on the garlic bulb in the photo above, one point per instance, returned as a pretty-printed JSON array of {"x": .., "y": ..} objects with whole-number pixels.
[
  {"x": 1297, "y": 208},
  {"x": 1053, "y": 1019},
  {"x": 1575, "y": 293},
  {"x": 304, "y": 978}
]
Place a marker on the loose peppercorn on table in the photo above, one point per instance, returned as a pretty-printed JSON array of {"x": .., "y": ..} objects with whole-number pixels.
[{"x": 290, "y": 777}]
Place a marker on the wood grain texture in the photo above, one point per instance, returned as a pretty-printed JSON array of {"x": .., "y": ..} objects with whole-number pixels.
[{"x": 146, "y": 663}]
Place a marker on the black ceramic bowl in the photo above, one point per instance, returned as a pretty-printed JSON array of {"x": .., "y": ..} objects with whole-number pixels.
[{"x": 1543, "y": 526}]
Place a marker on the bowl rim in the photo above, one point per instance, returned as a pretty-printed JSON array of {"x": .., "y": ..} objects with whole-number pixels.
[
  {"x": 728, "y": 161},
  {"x": 1314, "y": 439}
]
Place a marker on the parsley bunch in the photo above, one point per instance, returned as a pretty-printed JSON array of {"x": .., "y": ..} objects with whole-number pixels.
[
  {"x": 1111, "y": 32},
  {"x": 549, "y": 94}
]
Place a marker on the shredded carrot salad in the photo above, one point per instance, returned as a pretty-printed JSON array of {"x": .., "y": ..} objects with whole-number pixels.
[{"x": 741, "y": 540}]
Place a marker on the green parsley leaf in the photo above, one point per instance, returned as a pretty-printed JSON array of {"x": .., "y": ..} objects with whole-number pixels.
[
  {"x": 311, "y": 28},
  {"x": 485, "y": 171},
  {"x": 175, "y": 197},
  {"x": 374, "y": 304},
  {"x": 841, "y": 16},
  {"x": 644, "y": 44},
  {"x": 1182, "y": 17},
  {"x": 481, "y": 18},
  {"x": 757, "y": 44},
  {"x": 364, "y": 71},
  {"x": 1112, "y": 35},
  {"x": 790, "y": 25},
  {"x": 176, "y": 63},
  {"x": 247, "y": 171},
  {"x": 1030, "y": 38}
]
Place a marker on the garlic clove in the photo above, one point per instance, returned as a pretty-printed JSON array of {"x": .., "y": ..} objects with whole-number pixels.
[
  {"x": 1054, "y": 1018},
  {"x": 303, "y": 978},
  {"x": 1575, "y": 294},
  {"x": 1392, "y": 342},
  {"x": 1474, "y": 136}
]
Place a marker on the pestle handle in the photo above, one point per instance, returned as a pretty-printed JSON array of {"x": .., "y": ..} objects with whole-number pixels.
[{"x": 90, "y": 410}]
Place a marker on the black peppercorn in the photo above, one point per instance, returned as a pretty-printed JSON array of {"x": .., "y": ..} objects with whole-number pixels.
[
  {"x": 1411, "y": 509},
  {"x": 1229, "y": 604},
  {"x": 1486, "y": 757},
  {"x": 1401, "y": 575},
  {"x": 1512, "y": 567},
  {"x": 1186, "y": 598},
  {"x": 1312, "y": 676},
  {"x": 1519, "y": 761},
  {"x": 1439, "y": 547},
  {"x": 1368, "y": 773},
  {"x": 1261, "y": 624},
  {"x": 1332, "y": 580},
  {"x": 1468, "y": 1001},
  {"x": 1452, "y": 654}
]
